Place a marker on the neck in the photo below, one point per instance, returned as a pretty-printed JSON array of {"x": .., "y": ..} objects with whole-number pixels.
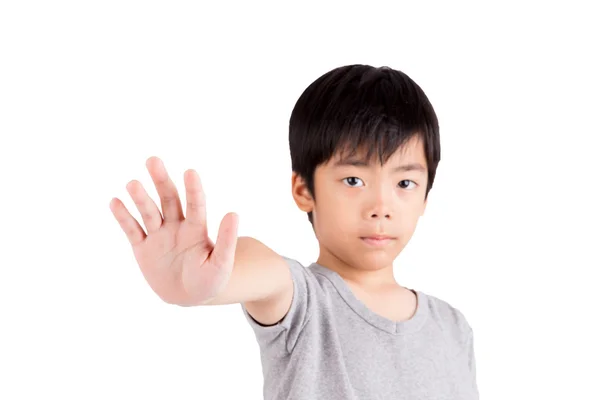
[{"x": 365, "y": 276}]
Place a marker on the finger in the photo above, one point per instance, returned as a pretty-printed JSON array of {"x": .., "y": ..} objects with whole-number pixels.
[
  {"x": 129, "y": 225},
  {"x": 146, "y": 206},
  {"x": 223, "y": 253},
  {"x": 196, "y": 200},
  {"x": 169, "y": 198}
]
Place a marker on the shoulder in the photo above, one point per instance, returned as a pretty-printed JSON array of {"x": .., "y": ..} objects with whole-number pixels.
[
  {"x": 449, "y": 319},
  {"x": 309, "y": 275}
]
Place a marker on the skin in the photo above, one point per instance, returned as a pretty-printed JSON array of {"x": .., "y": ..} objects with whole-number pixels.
[
  {"x": 177, "y": 258},
  {"x": 358, "y": 201},
  {"x": 185, "y": 267}
]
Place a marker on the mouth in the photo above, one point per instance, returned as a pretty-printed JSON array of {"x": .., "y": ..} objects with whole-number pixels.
[{"x": 377, "y": 240}]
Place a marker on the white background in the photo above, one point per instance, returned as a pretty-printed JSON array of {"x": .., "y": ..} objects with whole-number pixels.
[{"x": 90, "y": 90}]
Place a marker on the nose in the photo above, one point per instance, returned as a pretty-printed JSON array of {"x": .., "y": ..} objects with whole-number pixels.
[
  {"x": 377, "y": 215},
  {"x": 380, "y": 206}
]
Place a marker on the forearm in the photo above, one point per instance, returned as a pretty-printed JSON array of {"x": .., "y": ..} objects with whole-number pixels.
[{"x": 258, "y": 274}]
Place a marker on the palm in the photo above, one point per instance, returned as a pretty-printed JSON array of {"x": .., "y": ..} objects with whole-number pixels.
[{"x": 176, "y": 256}]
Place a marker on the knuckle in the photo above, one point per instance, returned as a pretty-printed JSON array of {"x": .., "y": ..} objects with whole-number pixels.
[
  {"x": 195, "y": 205},
  {"x": 131, "y": 231},
  {"x": 148, "y": 216},
  {"x": 168, "y": 199}
]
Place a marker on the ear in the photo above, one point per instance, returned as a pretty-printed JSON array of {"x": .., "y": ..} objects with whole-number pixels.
[{"x": 301, "y": 195}]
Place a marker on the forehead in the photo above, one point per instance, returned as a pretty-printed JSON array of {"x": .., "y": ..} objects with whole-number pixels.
[{"x": 412, "y": 152}]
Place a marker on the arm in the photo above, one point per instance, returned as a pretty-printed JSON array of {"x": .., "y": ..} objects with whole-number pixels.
[
  {"x": 183, "y": 266},
  {"x": 260, "y": 279}
]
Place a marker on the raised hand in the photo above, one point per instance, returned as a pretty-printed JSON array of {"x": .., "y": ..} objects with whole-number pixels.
[{"x": 176, "y": 256}]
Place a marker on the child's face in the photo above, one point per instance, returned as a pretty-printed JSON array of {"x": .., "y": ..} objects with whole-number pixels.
[{"x": 354, "y": 202}]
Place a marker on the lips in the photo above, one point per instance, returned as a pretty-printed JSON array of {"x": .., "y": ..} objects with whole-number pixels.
[
  {"x": 377, "y": 240},
  {"x": 377, "y": 237}
]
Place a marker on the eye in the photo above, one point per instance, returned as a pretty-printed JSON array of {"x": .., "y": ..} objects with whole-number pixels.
[
  {"x": 406, "y": 181},
  {"x": 352, "y": 181}
]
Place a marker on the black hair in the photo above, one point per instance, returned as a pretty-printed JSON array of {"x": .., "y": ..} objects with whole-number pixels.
[{"x": 360, "y": 107}]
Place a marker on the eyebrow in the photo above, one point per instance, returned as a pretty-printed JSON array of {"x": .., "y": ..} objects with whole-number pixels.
[{"x": 359, "y": 163}]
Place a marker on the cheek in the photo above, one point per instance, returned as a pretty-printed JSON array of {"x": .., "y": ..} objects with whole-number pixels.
[
  {"x": 329, "y": 201},
  {"x": 407, "y": 227},
  {"x": 334, "y": 220},
  {"x": 337, "y": 211}
]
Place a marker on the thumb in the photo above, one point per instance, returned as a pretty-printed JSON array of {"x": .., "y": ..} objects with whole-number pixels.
[{"x": 223, "y": 254}]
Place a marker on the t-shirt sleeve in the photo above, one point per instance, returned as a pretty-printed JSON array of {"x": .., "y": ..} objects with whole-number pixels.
[
  {"x": 471, "y": 362},
  {"x": 283, "y": 335}
]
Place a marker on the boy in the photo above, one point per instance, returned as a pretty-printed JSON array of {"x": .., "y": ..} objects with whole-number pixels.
[{"x": 364, "y": 145}]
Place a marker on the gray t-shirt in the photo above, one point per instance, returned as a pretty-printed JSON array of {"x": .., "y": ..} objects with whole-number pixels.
[{"x": 331, "y": 346}]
